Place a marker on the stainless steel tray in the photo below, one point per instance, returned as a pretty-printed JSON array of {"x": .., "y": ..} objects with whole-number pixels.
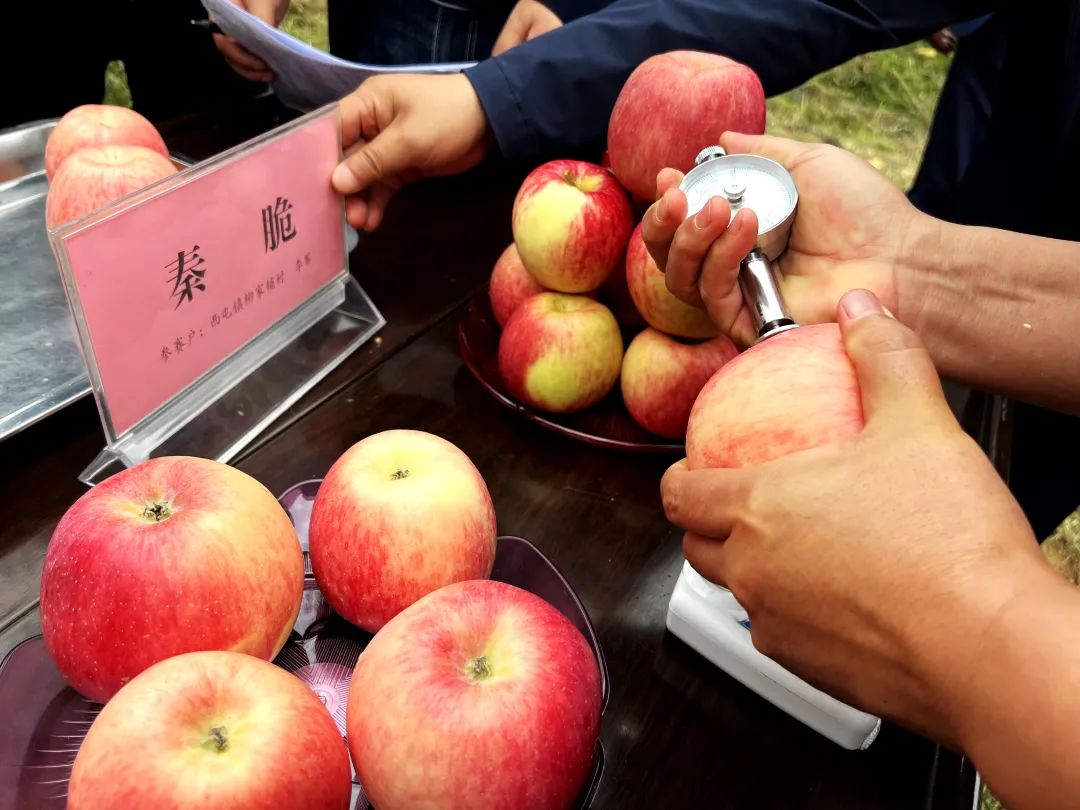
[{"x": 41, "y": 368}]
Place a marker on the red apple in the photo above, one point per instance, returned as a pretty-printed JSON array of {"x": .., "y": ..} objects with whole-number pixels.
[
  {"x": 99, "y": 125},
  {"x": 216, "y": 731},
  {"x": 511, "y": 284},
  {"x": 662, "y": 376},
  {"x": 479, "y": 695},
  {"x": 615, "y": 295},
  {"x": 399, "y": 515},
  {"x": 571, "y": 221},
  {"x": 93, "y": 177},
  {"x": 660, "y": 308},
  {"x": 673, "y": 106},
  {"x": 560, "y": 353},
  {"x": 173, "y": 555},
  {"x": 791, "y": 392}
]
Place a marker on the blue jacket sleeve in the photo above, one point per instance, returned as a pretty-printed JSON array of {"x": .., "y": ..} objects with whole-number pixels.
[{"x": 555, "y": 93}]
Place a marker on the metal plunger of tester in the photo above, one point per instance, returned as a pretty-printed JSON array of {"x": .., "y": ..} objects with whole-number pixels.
[
  {"x": 704, "y": 615},
  {"x": 751, "y": 181}
]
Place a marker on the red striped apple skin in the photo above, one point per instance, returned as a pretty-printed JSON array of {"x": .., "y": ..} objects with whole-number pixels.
[
  {"x": 214, "y": 731},
  {"x": 91, "y": 125},
  {"x": 658, "y": 305},
  {"x": 662, "y": 377},
  {"x": 571, "y": 220},
  {"x": 91, "y": 178},
  {"x": 479, "y": 695},
  {"x": 511, "y": 284},
  {"x": 121, "y": 589},
  {"x": 400, "y": 514},
  {"x": 791, "y": 392},
  {"x": 674, "y": 105},
  {"x": 560, "y": 353}
]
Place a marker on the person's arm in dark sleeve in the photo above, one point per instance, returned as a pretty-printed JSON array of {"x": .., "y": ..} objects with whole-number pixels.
[{"x": 555, "y": 93}]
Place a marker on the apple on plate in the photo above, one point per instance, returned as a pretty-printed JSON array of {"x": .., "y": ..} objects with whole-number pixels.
[
  {"x": 510, "y": 284},
  {"x": 174, "y": 555},
  {"x": 791, "y": 392},
  {"x": 95, "y": 176},
  {"x": 479, "y": 695},
  {"x": 560, "y": 353},
  {"x": 662, "y": 377},
  {"x": 571, "y": 220},
  {"x": 99, "y": 125},
  {"x": 400, "y": 514},
  {"x": 214, "y": 731},
  {"x": 656, "y": 303},
  {"x": 674, "y": 105}
]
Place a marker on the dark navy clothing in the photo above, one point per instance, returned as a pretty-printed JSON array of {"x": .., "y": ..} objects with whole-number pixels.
[{"x": 1004, "y": 152}]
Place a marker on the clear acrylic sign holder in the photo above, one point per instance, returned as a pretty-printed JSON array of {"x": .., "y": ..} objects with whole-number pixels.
[{"x": 240, "y": 381}]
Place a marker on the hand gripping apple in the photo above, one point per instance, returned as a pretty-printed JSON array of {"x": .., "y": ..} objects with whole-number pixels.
[{"x": 707, "y": 616}]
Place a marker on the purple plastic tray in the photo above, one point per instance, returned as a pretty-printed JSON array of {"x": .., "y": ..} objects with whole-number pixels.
[{"x": 45, "y": 721}]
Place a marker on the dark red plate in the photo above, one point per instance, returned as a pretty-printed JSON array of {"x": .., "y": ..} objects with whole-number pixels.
[
  {"x": 607, "y": 424},
  {"x": 45, "y": 721}
]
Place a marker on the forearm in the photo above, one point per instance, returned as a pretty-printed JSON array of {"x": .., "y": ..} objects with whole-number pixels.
[
  {"x": 1020, "y": 716},
  {"x": 556, "y": 92},
  {"x": 997, "y": 310}
]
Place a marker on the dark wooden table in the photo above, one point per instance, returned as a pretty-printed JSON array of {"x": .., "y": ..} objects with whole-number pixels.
[{"x": 678, "y": 733}]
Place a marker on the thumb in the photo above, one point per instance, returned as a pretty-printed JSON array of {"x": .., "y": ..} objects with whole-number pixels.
[
  {"x": 383, "y": 158},
  {"x": 896, "y": 376},
  {"x": 784, "y": 151}
]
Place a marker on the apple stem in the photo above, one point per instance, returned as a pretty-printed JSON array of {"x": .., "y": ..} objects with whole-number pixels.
[
  {"x": 479, "y": 669},
  {"x": 157, "y": 512},
  {"x": 218, "y": 738},
  {"x": 570, "y": 178},
  {"x": 399, "y": 474}
]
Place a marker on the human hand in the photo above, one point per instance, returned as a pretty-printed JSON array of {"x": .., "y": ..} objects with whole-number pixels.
[
  {"x": 874, "y": 567},
  {"x": 528, "y": 19},
  {"x": 398, "y": 128},
  {"x": 240, "y": 58},
  {"x": 851, "y": 231}
]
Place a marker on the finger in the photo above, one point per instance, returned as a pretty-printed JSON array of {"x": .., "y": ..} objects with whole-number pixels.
[
  {"x": 784, "y": 151},
  {"x": 691, "y": 243},
  {"x": 897, "y": 378},
  {"x": 707, "y": 501},
  {"x": 667, "y": 178},
  {"x": 356, "y": 211},
  {"x": 660, "y": 223},
  {"x": 377, "y": 202},
  {"x": 386, "y": 155},
  {"x": 706, "y": 555},
  {"x": 243, "y": 61},
  {"x": 719, "y": 284}
]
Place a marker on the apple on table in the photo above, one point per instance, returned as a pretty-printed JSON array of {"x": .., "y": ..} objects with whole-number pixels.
[
  {"x": 173, "y": 555},
  {"x": 674, "y": 105},
  {"x": 510, "y": 285},
  {"x": 571, "y": 220},
  {"x": 400, "y": 514},
  {"x": 95, "y": 176},
  {"x": 479, "y": 695},
  {"x": 91, "y": 125},
  {"x": 560, "y": 353},
  {"x": 662, "y": 377},
  {"x": 215, "y": 731}
]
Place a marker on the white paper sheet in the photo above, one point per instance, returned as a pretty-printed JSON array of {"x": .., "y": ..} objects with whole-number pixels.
[{"x": 306, "y": 77}]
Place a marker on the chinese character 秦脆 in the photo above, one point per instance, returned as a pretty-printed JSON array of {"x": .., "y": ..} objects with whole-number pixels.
[
  {"x": 186, "y": 275},
  {"x": 277, "y": 224}
]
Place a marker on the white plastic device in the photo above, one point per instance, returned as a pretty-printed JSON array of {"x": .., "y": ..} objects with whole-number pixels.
[{"x": 709, "y": 619}]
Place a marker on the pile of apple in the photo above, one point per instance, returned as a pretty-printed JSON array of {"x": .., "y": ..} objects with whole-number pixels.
[
  {"x": 169, "y": 588},
  {"x": 578, "y": 273},
  {"x": 98, "y": 153}
]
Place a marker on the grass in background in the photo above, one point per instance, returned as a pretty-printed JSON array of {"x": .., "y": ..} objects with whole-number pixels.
[{"x": 878, "y": 105}]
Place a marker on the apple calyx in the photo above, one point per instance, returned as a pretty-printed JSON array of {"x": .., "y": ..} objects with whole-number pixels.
[
  {"x": 399, "y": 474},
  {"x": 157, "y": 511},
  {"x": 582, "y": 182},
  {"x": 478, "y": 669},
  {"x": 217, "y": 740}
]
